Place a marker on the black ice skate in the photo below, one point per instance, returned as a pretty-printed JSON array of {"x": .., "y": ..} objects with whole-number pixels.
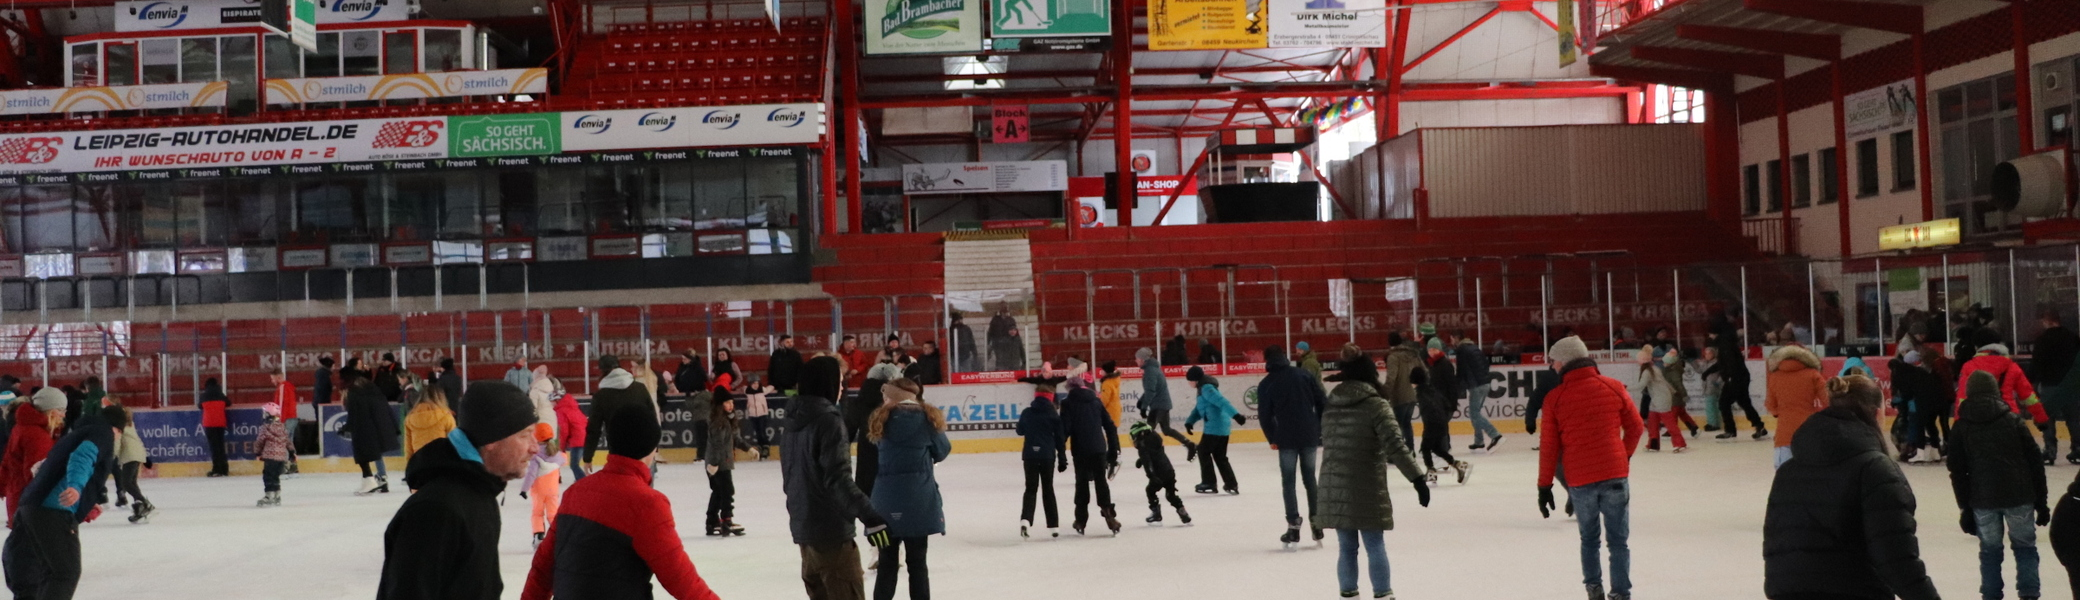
[
  {"x": 1078, "y": 526},
  {"x": 537, "y": 541},
  {"x": 143, "y": 512},
  {"x": 1111, "y": 520},
  {"x": 1234, "y": 490},
  {"x": 1206, "y": 488},
  {"x": 1317, "y": 536},
  {"x": 382, "y": 485},
  {"x": 1183, "y": 517},
  {"x": 731, "y": 528},
  {"x": 1760, "y": 434},
  {"x": 1596, "y": 591},
  {"x": 270, "y": 499},
  {"x": 1727, "y": 436},
  {"x": 1155, "y": 518},
  {"x": 1291, "y": 538}
]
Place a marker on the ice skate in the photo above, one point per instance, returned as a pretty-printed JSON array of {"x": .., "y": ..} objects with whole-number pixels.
[
  {"x": 1317, "y": 535},
  {"x": 1430, "y": 477},
  {"x": 1054, "y": 533},
  {"x": 1760, "y": 434},
  {"x": 143, "y": 512},
  {"x": 1596, "y": 591},
  {"x": 2073, "y": 459},
  {"x": 368, "y": 486},
  {"x": 731, "y": 528},
  {"x": 1710, "y": 427},
  {"x": 1729, "y": 436},
  {"x": 1111, "y": 520},
  {"x": 713, "y": 528},
  {"x": 122, "y": 502},
  {"x": 271, "y": 499},
  {"x": 1234, "y": 490},
  {"x": 1291, "y": 538},
  {"x": 1693, "y": 431},
  {"x": 1654, "y": 446},
  {"x": 1183, "y": 518},
  {"x": 1494, "y": 444},
  {"x": 1620, "y": 596},
  {"x": 1205, "y": 488},
  {"x": 1388, "y": 595},
  {"x": 382, "y": 485},
  {"x": 538, "y": 537},
  {"x": 1155, "y": 518},
  {"x": 1680, "y": 450},
  {"x": 1475, "y": 446},
  {"x": 1465, "y": 471},
  {"x": 1025, "y": 529},
  {"x": 292, "y": 470},
  {"x": 1078, "y": 526}
]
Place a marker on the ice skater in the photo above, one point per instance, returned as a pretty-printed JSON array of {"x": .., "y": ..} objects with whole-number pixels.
[
  {"x": 1289, "y": 406},
  {"x": 1094, "y": 448},
  {"x": 42, "y": 553},
  {"x": 912, "y": 436},
  {"x": 1155, "y": 463},
  {"x": 1589, "y": 429},
  {"x": 1155, "y": 400},
  {"x": 724, "y": 440},
  {"x": 273, "y": 449},
  {"x": 1215, "y": 409},
  {"x": 1998, "y": 477},
  {"x": 544, "y": 481},
  {"x": 1659, "y": 391},
  {"x": 759, "y": 416},
  {"x": 1360, "y": 437},
  {"x": 131, "y": 456},
  {"x": 1438, "y": 395},
  {"x": 1044, "y": 454}
]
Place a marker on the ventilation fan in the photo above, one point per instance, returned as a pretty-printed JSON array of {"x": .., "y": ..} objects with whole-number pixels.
[{"x": 2033, "y": 186}]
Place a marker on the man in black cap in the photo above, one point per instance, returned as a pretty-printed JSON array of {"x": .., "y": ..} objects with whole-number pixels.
[
  {"x": 443, "y": 543},
  {"x": 618, "y": 390}
]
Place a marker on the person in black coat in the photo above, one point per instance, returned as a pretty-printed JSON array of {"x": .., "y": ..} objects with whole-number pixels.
[
  {"x": 321, "y": 382},
  {"x": 965, "y": 354},
  {"x": 1997, "y": 476},
  {"x": 1094, "y": 451},
  {"x": 822, "y": 501},
  {"x": 386, "y": 378},
  {"x": 1044, "y": 454},
  {"x": 449, "y": 380},
  {"x": 1926, "y": 398},
  {"x": 618, "y": 390},
  {"x": 1731, "y": 365},
  {"x": 1840, "y": 520},
  {"x": 443, "y": 542},
  {"x": 1542, "y": 382},
  {"x": 784, "y": 367},
  {"x": 1174, "y": 353},
  {"x": 42, "y": 553},
  {"x": 929, "y": 367},
  {"x": 2065, "y": 534},
  {"x": 2051, "y": 359},
  {"x": 1162, "y": 477},
  {"x": 373, "y": 427},
  {"x": 1438, "y": 397},
  {"x": 1289, "y": 405}
]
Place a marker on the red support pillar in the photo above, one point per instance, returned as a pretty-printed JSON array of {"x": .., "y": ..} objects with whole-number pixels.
[
  {"x": 1391, "y": 109},
  {"x": 1722, "y": 157},
  {"x": 1784, "y": 192},
  {"x": 847, "y": 40},
  {"x": 2024, "y": 108},
  {"x": 1123, "y": 111},
  {"x": 1841, "y": 158},
  {"x": 1921, "y": 132}
]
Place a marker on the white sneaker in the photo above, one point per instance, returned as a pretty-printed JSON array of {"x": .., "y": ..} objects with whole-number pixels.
[
  {"x": 1054, "y": 532},
  {"x": 1681, "y": 449}
]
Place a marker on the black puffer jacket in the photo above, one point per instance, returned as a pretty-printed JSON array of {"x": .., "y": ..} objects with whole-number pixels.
[
  {"x": 816, "y": 473},
  {"x": 1090, "y": 427},
  {"x": 1044, "y": 435},
  {"x": 1994, "y": 460},
  {"x": 1840, "y": 521},
  {"x": 1152, "y": 459},
  {"x": 443, "y": 542},
  {"x": 370, "y": 422},
  {"x": 1290, "y": 402}
]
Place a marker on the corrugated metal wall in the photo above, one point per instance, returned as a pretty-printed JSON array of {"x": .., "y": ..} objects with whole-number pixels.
[
  {"x": 1377, "y": 196},
  {"x": 1576, "y": 169}
]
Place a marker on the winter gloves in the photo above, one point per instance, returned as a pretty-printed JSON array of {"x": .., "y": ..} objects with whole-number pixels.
[
  {"x": 1545, "y": 502},
  {"x": 2043, "y": 515},
  {"x": 878, "y": 536},
  {"x": 1241, "y": 420},
  {"x": 1422, "y": 492},
  {"x": 1968, "y": 522},
  {"x": 1061, "y": 464}
]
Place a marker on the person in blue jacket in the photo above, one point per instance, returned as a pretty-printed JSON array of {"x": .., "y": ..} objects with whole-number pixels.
[
  {"x": 42, "y": 554},
  {"x": 912, "y": 437},
  {"x": 1155, "y": 400},
  {"x": 1045, "y": 454},
  {"x": 1216, "y": 411}
]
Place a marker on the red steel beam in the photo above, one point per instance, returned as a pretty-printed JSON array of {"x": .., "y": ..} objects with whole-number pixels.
[
  {"x": 1766, "y": 66},
  {"x": 1684, "y": 78},
  {"x": 1123, "y": 113},
  {"x": 2024, "y": 85},
  {"x": 848, "y": 118},
  {"x": 1448, "y": 41},
  {"x": 1818, "y": 46},
  {"x": 1896, "y": 18}
]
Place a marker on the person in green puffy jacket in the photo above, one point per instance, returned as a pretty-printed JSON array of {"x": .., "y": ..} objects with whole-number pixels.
[
  {"x": 1215, "y": 410},
  {"x": 1360, "y": 437}
]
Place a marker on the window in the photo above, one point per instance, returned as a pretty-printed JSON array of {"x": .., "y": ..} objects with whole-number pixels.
[
  {"x": 122, "y": 64},
  {"x": 324, "y": 62},
  {"x": 1978, "y": 131},
  {"x": 241, "y": 73},
  {"x": 1867, "y": 168},
  {"x": 443, "y": 49},
  {"x": 1774, "y": 172},
  {"x": 1830, "y": 176},
  {"x": 161, "y": 62},
  {"x": 361, "y": 52},
  {"x": 1904, "y": 167},
  {"x": 86, "y": 65},
  {"x": 1751, "y": 190},
  {"x": 560, "y": 207},
  {"x": 284, "y": 59},
  {"x": 1802, "y": 181},
  {"x": 198, "y": 60},
  {"x": 399, "y": 54},
  {"x": 1678, "y": 105}
]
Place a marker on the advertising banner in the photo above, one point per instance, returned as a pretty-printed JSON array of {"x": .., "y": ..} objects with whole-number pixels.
[
  {"x": 1049, "y": 18},
  {"x": 1879, "y": 110},
  {"x": 957, "y": 178},
  {"x": 1010, "y": 124},
  {"x": 693, "y": 127},
  {"x": 122, "y": 97},
  {"x": 1328, "y": 23},
  {"x": 1568, "y": 51},
  {"x": 409, "y": 86},
  {"x": 223, "y": 146},
  {"x": 504, "y": 135},
  {"x": 1205, "y": 24},
  {"x": 923, "y": 26},
  {"x": 165, "y": 15}
]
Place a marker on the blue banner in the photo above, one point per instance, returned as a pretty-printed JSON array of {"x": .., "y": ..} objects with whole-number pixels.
[
  {"x": 333, "y": 445},
  {"x": 174, "y": 436}
]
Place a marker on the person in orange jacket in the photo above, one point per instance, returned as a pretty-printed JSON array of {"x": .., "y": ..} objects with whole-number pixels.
[
  {"x": 1108, "y": 388},
  {"x": 1796, "y": 390}
]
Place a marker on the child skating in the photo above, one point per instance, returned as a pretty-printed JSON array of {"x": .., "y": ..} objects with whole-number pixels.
[
  {"x": 1438, "y": 397},
  {"x": 1044, "y": 454},
  {"x": 1094, "y": 448},
  {"x": 1215, "y": 409},
  {"x": 723, "y": 441},
  {"x": 1659, "y": 390},
  {"x": 130, "y": 458},
  {"x": 273, "y": 447},
  {"x": 544, "y": 481},
  {"x": 759, "y": 416},
  {"x": 1155, "y": 463}
]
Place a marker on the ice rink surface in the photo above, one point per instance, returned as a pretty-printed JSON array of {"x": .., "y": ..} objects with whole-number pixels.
[{"x": 1696, "y": 534}]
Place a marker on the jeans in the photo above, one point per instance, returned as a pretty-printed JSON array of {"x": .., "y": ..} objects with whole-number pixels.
[
  {"x": 1347, "y": 541},
  {"x": 1604, "y": 508},
  {"x": 271, "y": 475},
  {"x": 1474, "y": 399},
  {"x": 920, "y": 576},
  {"x": 1213, "y": 459},
  {"x": 1406, "y": 414},
  {"x": 1783, "y": 456},
  {"x": 1711, "y": 411},
  {"x": 1287, "y": 458},
  {"x": 290, "y": 425},
  {"x": 830, "y": 571},
  {"x": 1040, "y": 481},
  {"x": 2021, "y": 530},
  {"x": 218, "y": 462}
]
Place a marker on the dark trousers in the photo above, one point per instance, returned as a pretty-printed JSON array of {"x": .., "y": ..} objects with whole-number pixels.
[
  {"x": 218, "y": 463},
  {"x": 126, "y": 482},
  {"x": 831, "y": 571},
  {"x": 1406, "y": 414},
  {"x": 1160, "y": 419},
  {"x": 42, "y": 554},
  {"x": 271, "y": 475},
  {"x": 1213, "y": 456},
  {"x": 2068, "y": 414},
  {"x": 722, "y": 497},
  {"x": 1040, "y": 481},
  {"x": 2065, "y": 538},
  {"x": 700, "y": 439},
  {"x": 1929, "y": 425},
  {"x": 760, "y": 435},
  {"x": 1167, "y": 487},
  {"x": 920, "y": 575},
  {"x": 1437, "y": 441},
  {"x": 1090, "y": 471},
  {"x": 1737, "y": 393},
  {"x": 866, "y": 466}
]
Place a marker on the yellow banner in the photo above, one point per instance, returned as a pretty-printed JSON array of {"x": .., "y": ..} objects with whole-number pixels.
[
  {"x": 1206, "y": 24},
  {"x": 1568, "y": 51},
  {"x": 1943, "y": 232}
]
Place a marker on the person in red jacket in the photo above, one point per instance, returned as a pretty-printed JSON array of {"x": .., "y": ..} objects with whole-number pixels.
[
  {"x": 285, "y": 397},
  {"x": 570, "y": 421},
  {"x": 614, "y": 531},
  {"x": 1589, "y": 429},
  {"x": 1992, "y": 358},
  {"x": 34, "y": 424},
  {"x": 214, "y": 425}
]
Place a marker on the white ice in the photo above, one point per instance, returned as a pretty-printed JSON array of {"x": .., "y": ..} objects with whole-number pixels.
[{"x": 1696, "y": 534}]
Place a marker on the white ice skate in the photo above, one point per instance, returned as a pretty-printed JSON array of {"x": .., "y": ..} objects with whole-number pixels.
[
  {"x": 368, "y": 486},
  {"x": 1465, "y": 470},
  {"x": 1025, "y": 528}
]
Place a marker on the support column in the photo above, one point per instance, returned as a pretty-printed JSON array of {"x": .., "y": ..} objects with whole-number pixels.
[
  {"x": 1722, "y": 157},
  {"x": 847, "y": 40},
  {"x": 1123, "y": 111},
  {"x": 1784, "y": 165},
  {"x": 2025, "y": 109},
  {"x": 1841, "y": 158},
  {"x": 1921, "y": 133},
  {"x": 1391, "y": 109}
]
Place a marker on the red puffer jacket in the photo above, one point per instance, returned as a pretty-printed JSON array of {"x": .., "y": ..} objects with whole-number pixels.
[
  {"x": 2015, "y": 388},
  {"x": 29, "y": 444},
  {"x": 570, "y": 422},
  {"x": 611, "y": 535},
  {"x": 1590, "y": 426}
]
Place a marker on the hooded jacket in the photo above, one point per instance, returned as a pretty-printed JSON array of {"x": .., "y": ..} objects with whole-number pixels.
[
  {"x": 541, "y": 391},
  {"x": 692, "y": 376},
  {"x": 1213, "y": 408},
  {"x": 1439, "y": 393},
  {"x": 372, "y": 423},
  {"x": 1993, "y": 456},
  {"x": 1046, "y": 440},
  {"x": 29, "y": 443},
  {"x": 1091, "y": 430},
  {"x": 570, "y": 422},
  {"x": 816, "y": 473},
  {"x": 1403, "y": 363},
  {"x": 1307, "y": 361},
  {"x": 443, "y": 542},
  {"x": 1840, "y": 521},
  {"x": 1796, "y": 390},
  {"x": 617, "y": 391},
  {"x": 426, "y": 423},
  {"x": 1155, "y": 391},
  {"x": 612, "y": 533},
  {"x": 2014, "y": 384},
  {"x": 1589, "y": 426},
  {"x": 1360, "y": 437},
  {"x": 906, "y": 490},
  {"x": 1153, "y": 461},
  {"x": 1290, "y": 402},
  {"x": 80, "y": 460},
  {"x": 1108, "y": 392}
]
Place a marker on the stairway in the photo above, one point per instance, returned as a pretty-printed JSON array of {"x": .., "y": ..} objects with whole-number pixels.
[{"x": 993, "y": 271}]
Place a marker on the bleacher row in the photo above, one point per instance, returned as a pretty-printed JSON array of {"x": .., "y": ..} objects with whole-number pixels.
[{"x": 692, "y": 63}]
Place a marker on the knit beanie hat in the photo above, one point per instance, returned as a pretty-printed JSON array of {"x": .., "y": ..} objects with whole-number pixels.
[
  {"x": 1427, "y": 329},
  {"x": 1142, "y": 355},
  {"x": 1434, "y": 344},
  {"x": 609, "y": 362},
  {"x": 1567, "y": 350},
  {"x": 48, "y": 399},
  {"x": 1195, "y": 374},
  {"x": 494, "y": 410},
  {"x": 632, "y": 433},
  {"x": 1302, "y": 346}
]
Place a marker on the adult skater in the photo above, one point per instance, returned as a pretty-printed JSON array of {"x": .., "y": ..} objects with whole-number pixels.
[
  {"x": 131, "y": 457},
  {"x": 2065, "y": 534},
  {"x": 214, "y": 424},
  {"x": 858, "y": 410},
  {"x": 520, "y": 376},
  {"x": 1359, "y": 439},
  {"x": 1998, "y": 480},
  {"x": 449, "y": 380},
  {"x": 1215, "y": 410},
  {"x": 1992, "y": 357},
  {"x": 443, "y": 542},
  {"x": 1840, "y": 522},
  {"x": 692, "y": 376},
  {"x": 912, "y": 436},
  {"x": 784, "y": 367},
  {"x": 35, "y": 429},
  {"x": 2051, "y": 364},
  {"x": 1472, "y": 365},
  {"x": 374, "y": 430},
  {"x": 1044, "y": 453},
  {"x": 1796, "y": 391},
  {"x": 1094, "y": 451},
  {"x": 618, "y": 391},
  {"x": 1155, "y": 401},
  {"x": 614, "y": 531},
  {"x": 321, "y": 381},
  {"x": 1731, "y": 366},
  {"x": 1305, "y": 358},
  {"x": 1289, "y": 407},
  {"x": 42, "y": 553},
  {"x": 1590, "y": 429},
  {"x": 822, "y": 501},
  {"x": 1438, "y": 396},
  {"x": 1405, "y": 371}
]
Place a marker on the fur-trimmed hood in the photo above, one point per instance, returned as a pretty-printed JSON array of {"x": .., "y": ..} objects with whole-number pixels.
[{"x": 1797, "y": 353}]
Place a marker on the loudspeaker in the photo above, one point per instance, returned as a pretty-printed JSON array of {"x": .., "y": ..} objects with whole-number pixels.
[{"x": 1263, "y": 202}]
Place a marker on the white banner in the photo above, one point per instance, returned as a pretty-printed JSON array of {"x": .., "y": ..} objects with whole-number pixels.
[
  {"x": 127, "y": 97},
  {"x": 224, "y": 146},
  {"x": 693, "y": 127},
  {"x": 1879, "y": 110},
  {"x": 402, "y": 87},
  {"x": 1328, "y": 23},
  {"x": 164, "y": 15},
  {"x": 981, "y": 177}
]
